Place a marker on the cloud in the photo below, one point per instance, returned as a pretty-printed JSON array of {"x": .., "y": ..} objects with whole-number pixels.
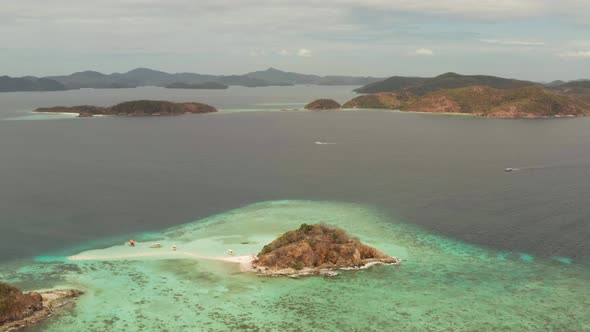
[
  {"x": 511, "y": 42},
  {"x": 304, "y": 53},
  {"x": 424, "y": 52},
  {"x": 575, "y": 54}
]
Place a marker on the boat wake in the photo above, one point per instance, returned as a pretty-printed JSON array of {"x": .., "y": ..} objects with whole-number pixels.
[{"x": 534, "y": 168}]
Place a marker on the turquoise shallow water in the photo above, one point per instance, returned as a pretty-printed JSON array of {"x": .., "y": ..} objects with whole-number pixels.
[{"x": 443, "y": 285}]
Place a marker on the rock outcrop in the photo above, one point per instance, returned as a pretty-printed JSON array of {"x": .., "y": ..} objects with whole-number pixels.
[
  {"x": 18, "y": 309},
  {"x": 323, "y": 104},
  {"x": 315, "y": 248},
  {"x": 14, "y": 305},
  {"x": 134, "y": 108}
]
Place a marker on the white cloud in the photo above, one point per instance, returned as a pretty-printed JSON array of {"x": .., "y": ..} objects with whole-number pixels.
[
  {"x": 304, "y": 53},
  {"x": 575, "y": 54},
  {"x": 511, "y": 42},
  {"x": 424, "y": 51}
]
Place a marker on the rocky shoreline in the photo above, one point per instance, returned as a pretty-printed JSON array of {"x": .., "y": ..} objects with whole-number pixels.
[
  {"x": 32, "y": 308},
  {"x": 318, "y": 271}
]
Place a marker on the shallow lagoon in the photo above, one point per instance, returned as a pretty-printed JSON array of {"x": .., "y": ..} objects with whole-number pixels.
[{"x": 443, "y": 285}]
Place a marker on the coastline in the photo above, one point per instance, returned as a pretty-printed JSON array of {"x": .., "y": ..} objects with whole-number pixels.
[
  {"x": 466, "y": 114},
  {"x": 319, "y": 271}
]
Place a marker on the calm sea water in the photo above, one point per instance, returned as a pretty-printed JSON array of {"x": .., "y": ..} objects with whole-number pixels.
[
  {"x": 66, "y": 182},
  {"x": 515, "y": 243}
]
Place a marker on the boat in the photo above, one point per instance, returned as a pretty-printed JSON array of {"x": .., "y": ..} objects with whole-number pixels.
[{"x": 509, "y": 169}]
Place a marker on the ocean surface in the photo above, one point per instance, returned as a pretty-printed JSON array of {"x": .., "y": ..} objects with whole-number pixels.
[{"x": 485, "y": 249}]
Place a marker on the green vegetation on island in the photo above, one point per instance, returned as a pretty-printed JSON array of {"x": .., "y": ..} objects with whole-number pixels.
[
  {"x": 422, "y": 86},
  {"x": 384, "y": 100}
]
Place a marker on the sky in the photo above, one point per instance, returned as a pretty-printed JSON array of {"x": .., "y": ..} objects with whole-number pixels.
[{"x": 541, "y": 40}]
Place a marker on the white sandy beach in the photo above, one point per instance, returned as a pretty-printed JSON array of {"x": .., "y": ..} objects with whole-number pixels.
[{"x": 245, "y": 261}]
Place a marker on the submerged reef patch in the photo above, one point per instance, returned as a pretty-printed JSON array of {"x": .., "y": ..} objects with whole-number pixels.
[{"x": 442, "y": 285}]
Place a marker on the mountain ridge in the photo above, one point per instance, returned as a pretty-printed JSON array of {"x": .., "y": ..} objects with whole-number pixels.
[{"x": 142, "y": 76}]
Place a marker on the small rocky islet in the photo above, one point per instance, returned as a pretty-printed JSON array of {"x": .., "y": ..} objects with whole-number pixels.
[
  {"x": 134, "y": 108},
  {"x": 316, "y": 250}
]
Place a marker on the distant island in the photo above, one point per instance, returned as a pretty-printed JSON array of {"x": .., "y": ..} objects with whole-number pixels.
[
  {"x": 575, "y": 84},
  {"x": 134, "y": 108},
  {"x": 10, "y": 84},
  {"x": 480, "y": 95},
  {"x": 421, "y": 86},
  {"x": 263, "y": 78},
  {"x": 204, "y": 86},
  {"x": 149, "y": 77},
  {"x": 316, "y": 249},
  {"x": 18, "y": 309},
  {"x": 522, "y": 102}
]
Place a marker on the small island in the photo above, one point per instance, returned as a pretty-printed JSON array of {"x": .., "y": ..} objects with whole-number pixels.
[
  {"x": 322, "y": 105},
  {"x": 18, "y": 309},
  {"x": 316, "y": 250},
  {"x": 134, "y": 108},
  {"x": 202, "y": 86}
]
